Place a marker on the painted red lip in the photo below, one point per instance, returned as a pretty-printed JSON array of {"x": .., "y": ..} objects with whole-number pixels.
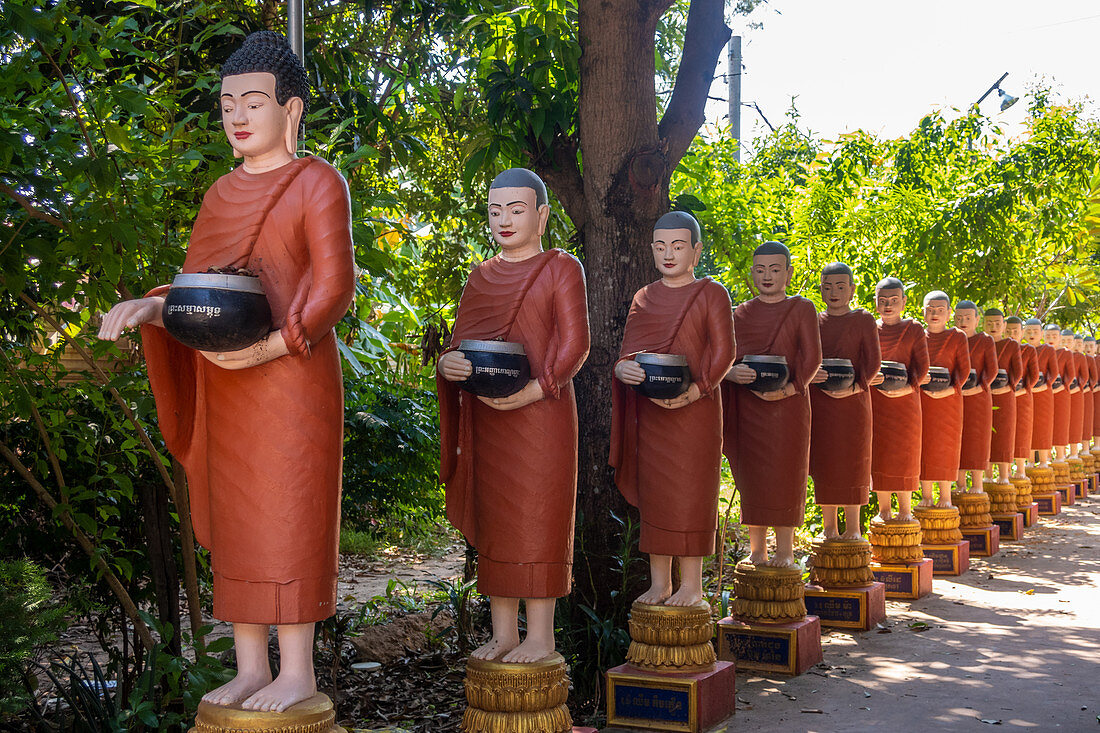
[{"x": 242, "y": 135}]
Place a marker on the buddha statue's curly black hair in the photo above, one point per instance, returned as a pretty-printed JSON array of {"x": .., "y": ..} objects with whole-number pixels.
[{"x": 269, "y": 51}]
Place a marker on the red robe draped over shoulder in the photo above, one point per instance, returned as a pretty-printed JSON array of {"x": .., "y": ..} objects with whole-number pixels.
[
  {"x": 1025, "y": 416},
  {"x": 978, "y": 408},
  {"x": 942, "y": 419},
  {"x": 840, "y": 429},
  {"x": 511, "y": 476},
  {"x": 1042, "y": 436},
  {"x": 1094, "y": 372},
  {"x": 262, "y": 447},
  {"x": 1003, "y": 443},
  {"x": 1063, "y": 402},
  {"x": 668, "y": 462},
  {"x": 896, "y": 445},
  {"x": 1081, "y": 426},
  {"x": 768, "y": 443}
]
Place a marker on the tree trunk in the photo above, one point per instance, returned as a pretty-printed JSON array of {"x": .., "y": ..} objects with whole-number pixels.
[{"x": 162, "y": 558}]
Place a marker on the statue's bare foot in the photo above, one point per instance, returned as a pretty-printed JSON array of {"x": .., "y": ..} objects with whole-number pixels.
[
  {"x": 758, "y": 558},
  {"x": 495, "y": 647},
  {"x": 944, "y": 502},
  {"x": 288, "y": 689},
  {"x": 885, "y": 516},
  {"x": 781, "y": 561},
  {"x": 531, "y": 650},
  {"x": 831, "y": 534},
  {"x": 906, "y": 517},
  {"x": 684, "y": 597},
  {"x": 977, "y": 492},
  {"x": 926, "y": 502},
  {"x": 852, "y": 534},
  {"x": 237, "y": 689},
  {"x": 656, "y": 595}
]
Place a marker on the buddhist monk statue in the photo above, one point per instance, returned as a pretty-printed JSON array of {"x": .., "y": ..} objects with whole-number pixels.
[
  {"x": 1022, "y": 391},
  {"x": 1003, "y": 438},
  {"x": 260, "y": 430},
  {"x": 896, "y": 441},
  {"x": 667, "y": 453},
  {"x": 1063, "y": 376},
  {"x": 767, "y": 433},
  {"x": 510, "y": 463},
  {"x": 1042, "y": 434},
  {"x": 1082, "y": 414},
  {"x": 840, "y": 433},
  {"x": 942, "y": 411},
  {"x": 1094, "y": 376},
  {"x": 977, "y": 430}
]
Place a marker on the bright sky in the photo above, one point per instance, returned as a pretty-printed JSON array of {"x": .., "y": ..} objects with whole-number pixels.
[{"x": 880, "y": 65}]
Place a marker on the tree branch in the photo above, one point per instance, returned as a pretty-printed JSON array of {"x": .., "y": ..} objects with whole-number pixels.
[
  {"x": 34, "y": 213},
  {"x": 563, "y": 175},
  {"x": 704, "y": 39}
]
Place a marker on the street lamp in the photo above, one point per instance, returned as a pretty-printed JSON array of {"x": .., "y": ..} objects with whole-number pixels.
[{"x": 1007, "y": 100}]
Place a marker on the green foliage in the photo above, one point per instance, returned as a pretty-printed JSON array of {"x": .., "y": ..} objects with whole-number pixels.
[{"x": 27, "y": 621}]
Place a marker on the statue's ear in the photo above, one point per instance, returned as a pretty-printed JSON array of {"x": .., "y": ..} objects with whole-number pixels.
[
  {"x": 544, "y": 216},
  {"x": 294, "y": 119}
]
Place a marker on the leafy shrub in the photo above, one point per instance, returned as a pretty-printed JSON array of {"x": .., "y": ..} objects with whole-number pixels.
[{"x": 26, "y": 623}]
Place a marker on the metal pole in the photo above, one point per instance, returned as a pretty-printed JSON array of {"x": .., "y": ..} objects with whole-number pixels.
[
  {"x": 295, "y": 26},
  {"x": 735, "y": 94},
  {"x": 989, "y": 91}
]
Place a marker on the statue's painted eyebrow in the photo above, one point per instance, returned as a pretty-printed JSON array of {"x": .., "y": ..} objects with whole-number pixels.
[
  {"x": 254, "y": 91},
  {"x": 510, "y": 203}
]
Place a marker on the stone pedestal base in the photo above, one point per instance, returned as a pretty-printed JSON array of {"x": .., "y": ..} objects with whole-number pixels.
[
  {"x": 984, "y": 541},
  {"x": 951, "y": 559},
  {"x": 908, "y": 581},
  {"x": 690, "y": 702},
  {"x": 973, "y": 509},
  {"x": 1031, "y": 515},
  {"x": 1082, "y": 489},
  {"x": 1002, "y": 497},
  {"x": 1068, "y": 492},
  {"x": 1048, "y": 504},
  {"x": 1023, "y": 492},
  {"x": 848, "y": 608},
  {"x": 315, "y": 715},
  {"x": 939, "y": 525},
  {"x": 841, "y": 563},
  {"x": 788, "y": 649},
  {"x": 767, "y": 595},
  {"x": 895, "y": 541},
  {"x": 671, "y": 638},
  {"x": 1010, "y": 525},
  {"x": 517, "y": 698}
]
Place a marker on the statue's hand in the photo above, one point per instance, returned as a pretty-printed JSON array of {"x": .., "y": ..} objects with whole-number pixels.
[
  {"x": 530, "y": 394},
  {"x": 629, "y": 372},
  {"x": 741, "y": 374},
  {"x": 970, "y": 392},
  {"x": 454, "y": 366},
  {"x": 691, "y": 395},
  {"x": 877, "y": 379},
  {"x": 266, "y": 349},
  {"x": 941, "y": 395},
  {"x": 926, "y": 380},
  {"x": 778, "y": 394},
  {"x": 1001, "y": 390},
  {"x": 130, "y": 314},
  {"x": 907, "y": 389},
  {"x": 820, "y": 376},
  {"x": 854, "y": 389}
]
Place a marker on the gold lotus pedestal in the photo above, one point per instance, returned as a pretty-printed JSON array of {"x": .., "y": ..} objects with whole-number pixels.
[
  {"x": 1077, "y": 477},
  {"x": 517, "y": 698},
  {"x": 843, "y": 592},
  {"x": 897, "y": 559},
  {"x": 768, "y": 629},
  {"x": 1025, "y": 502},
  {"x": 672, "y": 679},
  {"x": 1043, "y": 490},
  {"x": 1095, "y": 453},
  {"x": 1089, "y": 461},
  {"x": 1002, "y": 508},
  {"x": 976, "y": 523},
  {"x": 315, "y": 715},
  {"x": 943, "y": 542},
  {"x": 1062, "y": 485}
]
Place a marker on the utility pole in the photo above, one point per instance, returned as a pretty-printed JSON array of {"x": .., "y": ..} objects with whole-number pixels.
[
  {"x": 734, "y": 76},
  {"x": 295, "y": 26}
]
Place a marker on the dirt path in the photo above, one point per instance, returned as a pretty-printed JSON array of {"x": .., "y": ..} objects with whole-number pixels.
[{"x": 1015, "y": 642}]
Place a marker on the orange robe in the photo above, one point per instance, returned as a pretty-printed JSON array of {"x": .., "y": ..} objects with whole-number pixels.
[
  {"x": 1094, "y": 371},
  {"x": 511, "y": 476},
  {"x": 262, "y": 446},
  {"x": 840, "y": 429},
  {"x": 1003, "y": 440},
  {"x": 942, "y": 419},
  {"x": 1082, "y": 432},
  {"x": 978, "y": 408},
  {"x": 896, "y": 445},
  {"x": 1042, "y": 437},
  {"x": 668, "y": 463},
  {"x": 768, "y": 443},
  {"x": 1025, "y": 418},
  {"x": 1063, "y": 402}
]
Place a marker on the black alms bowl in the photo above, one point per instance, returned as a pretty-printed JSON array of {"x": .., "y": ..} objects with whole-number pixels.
[
  {"x": 972, "y": 380},
  {"x": 216, "y": 312},
  {"x": 940, "y": 379},
  {"x": 842, "y": 375},
  {"x": 894, "y": 376},
  {"x": 771, "y": 372},
  {"x": 1041, "y": 381},
  {"x": 1074, "y": 384},
  {"x": 1001, "y": 380},
  {"x": 666, "y": 375},
  {"x": 500, "y": 367},
  {"x": 1057, "y": 382}
]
